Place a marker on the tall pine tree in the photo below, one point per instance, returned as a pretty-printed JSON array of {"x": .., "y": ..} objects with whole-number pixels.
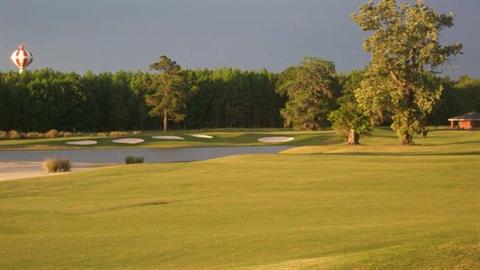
[{"x": 169, "y": 99}]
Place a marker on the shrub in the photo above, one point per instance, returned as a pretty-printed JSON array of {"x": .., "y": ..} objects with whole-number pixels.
[
  {"x": 118, "y": 133},
  {"x": 3, "y": 135},
  {"x": 13, "y": 134},
  {"x": 135, "y": 132},
  {"x": 56, "y": 165},
  {"x": 33, "y": 135},
  {"x": 67, "y": 134},
  {"x": 53, "y": 133},
  {"x": 133, "y": 160},
  {"x": 102, "y": 134}
]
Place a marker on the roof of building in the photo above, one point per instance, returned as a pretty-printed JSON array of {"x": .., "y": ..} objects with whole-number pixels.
[{"x": 466, "y": 117}]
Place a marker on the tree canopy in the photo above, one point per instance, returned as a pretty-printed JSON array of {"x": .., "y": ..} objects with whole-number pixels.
[
  {"x": 404, "y": 44},
  {"x": 171, "y": 89},
  {"x": 349, "y": 121},
  {"x": 311, "y": 88}
]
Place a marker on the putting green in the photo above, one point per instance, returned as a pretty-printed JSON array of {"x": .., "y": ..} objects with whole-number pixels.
[{"x": 158, "y": 139}]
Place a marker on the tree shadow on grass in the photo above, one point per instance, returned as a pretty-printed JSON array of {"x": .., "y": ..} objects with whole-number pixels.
[{"x": 134, "y": 205}]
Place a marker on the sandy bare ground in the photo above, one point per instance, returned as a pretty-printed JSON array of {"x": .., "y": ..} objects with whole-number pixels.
[
  {"x": 10, "y": 170},
  {"x": 129, "y": 140},
  {"x": 276, "y": 139}
]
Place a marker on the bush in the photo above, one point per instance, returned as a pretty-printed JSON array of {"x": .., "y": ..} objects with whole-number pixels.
[
  {"x": 13, "y": 134},
  {"x": 133, "y": 160},
  {"x": 67, "y": 134},
  {"x": 118, "y": 133},
  {"x": 56, "y": 165},
  {"x": 102, "y": 134},
  {"x": 135, "y": 132},
  {"x": 53, "y": 133},
  {"x": 3, "y": 135},
  {"x": 33, "y": 135}
]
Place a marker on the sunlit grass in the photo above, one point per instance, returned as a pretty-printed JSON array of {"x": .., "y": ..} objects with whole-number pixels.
[{"x": 388, "y": 207}]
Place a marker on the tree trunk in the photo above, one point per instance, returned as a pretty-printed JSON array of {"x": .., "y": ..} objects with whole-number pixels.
[
  {"x": 407, "y": 139},
  {"x": 353, "y": 137},
  {"x": 165, "y": 120}
]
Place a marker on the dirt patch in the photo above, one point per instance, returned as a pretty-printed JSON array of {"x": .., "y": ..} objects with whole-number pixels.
[{"x": 11, "y": 170}]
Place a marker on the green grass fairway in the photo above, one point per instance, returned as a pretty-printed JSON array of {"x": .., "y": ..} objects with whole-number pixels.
[{"x": 353, "y": 209}]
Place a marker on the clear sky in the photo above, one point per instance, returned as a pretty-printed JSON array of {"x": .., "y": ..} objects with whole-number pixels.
[{"x": 80, "y": 35}]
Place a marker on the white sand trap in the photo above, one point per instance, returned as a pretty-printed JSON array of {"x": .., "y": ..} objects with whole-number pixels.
[
  {"x": 203, "y": 136},
  {"x": 84, "y": 142},
  {"x": 168, "y": 137},
  {"x": 279, "y": 139},
  {"x": 129, "y": 140}
]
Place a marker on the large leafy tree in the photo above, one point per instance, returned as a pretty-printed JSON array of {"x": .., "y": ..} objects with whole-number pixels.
[
  {"x": 310, "y": 88},
  {"x": 349, "y": 120},
  {"x": 169, "y": 99},
  {"x": 405, "y": 44}
]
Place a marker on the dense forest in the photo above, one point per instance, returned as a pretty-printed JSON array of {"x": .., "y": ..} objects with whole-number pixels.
[{"x": 43, "y": 99}]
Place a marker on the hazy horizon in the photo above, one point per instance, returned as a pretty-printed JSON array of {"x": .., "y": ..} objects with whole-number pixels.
[{"x": 107, "y": 36}]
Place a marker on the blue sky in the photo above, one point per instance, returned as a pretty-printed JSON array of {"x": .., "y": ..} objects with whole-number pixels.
[{"x": 247, "y": 34}]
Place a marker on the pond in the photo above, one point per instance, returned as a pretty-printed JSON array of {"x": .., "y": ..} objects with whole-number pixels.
[{"x": 150, "y": 155}]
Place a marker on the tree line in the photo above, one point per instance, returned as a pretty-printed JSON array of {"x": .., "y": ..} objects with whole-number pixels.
[{"x": 44, "y": 99}]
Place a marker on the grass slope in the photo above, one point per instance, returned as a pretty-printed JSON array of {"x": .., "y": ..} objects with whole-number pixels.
[{"x": 324, "y": 211}]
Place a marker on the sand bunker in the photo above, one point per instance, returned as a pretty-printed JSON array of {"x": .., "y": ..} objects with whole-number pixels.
[
  {"x": 168, "y": 138},
  {"x": 279, "y": 139},
  {"x": 203, "y": 136},
  {"x": 84, "y": 142},
  {"x": 129, "y": 140}
]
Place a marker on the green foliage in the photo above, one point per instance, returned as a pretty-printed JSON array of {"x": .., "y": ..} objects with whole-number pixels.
[
  {"x": 43, "y": 99},
  {"x": 171, "y": 89},
  {"x": 404, "y": 44},
  {"x": 349, "y": 121},
  {"x": 311, "y": 89},
  {"x": 233, "y": 98}
]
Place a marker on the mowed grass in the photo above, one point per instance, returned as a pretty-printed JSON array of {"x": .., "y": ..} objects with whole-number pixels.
[
  {"x": 221, "y": 137},
  {"x": 384, "y": 142},
  {"x": 355, "y": 210}
]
